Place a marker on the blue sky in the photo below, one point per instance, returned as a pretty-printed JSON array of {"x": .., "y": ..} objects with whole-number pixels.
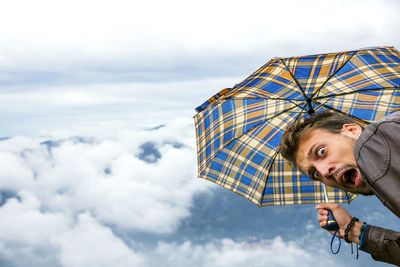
[{"x": 97, "y": 99}]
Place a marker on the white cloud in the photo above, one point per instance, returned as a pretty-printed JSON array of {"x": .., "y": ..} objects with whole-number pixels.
[
  {"x": 30, "y": 235},
  {"x": 67, "y": 194},
  {"x": 18, "y": 175},
  {"x": 27, "y": 235},
  {"x": 153, "y": 40},
  {"x": 91, "y": 244},
  {"x": 231, "y": 253},
  {"x": 84, "y": 109},
  {"x": 133, "y": 195},
  {"x": 23, "y": 223}
]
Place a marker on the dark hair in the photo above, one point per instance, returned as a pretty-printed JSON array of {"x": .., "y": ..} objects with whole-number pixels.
[{"x": 329, "y": 120}]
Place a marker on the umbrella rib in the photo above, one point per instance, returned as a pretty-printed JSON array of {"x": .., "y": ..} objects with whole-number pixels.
[
  {"x": 359, "y": 91},
  {"x": 321, "y": 104},
  {"x": 319, "y": 89},
  {"x": 294, "y": 78}
]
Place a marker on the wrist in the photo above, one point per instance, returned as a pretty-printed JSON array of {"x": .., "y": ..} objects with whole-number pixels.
[
  {"x": 355, "y": 231},
  {"x": 348, "y": 229}
]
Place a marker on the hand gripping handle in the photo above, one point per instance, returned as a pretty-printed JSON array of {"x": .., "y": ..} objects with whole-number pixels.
[{"x": 332, "y": 224}]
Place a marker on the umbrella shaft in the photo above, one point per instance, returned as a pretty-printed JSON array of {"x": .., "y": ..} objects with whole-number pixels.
[{"x": 325, "y": 194}]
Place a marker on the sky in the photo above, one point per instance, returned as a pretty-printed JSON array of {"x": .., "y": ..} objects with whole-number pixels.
[{"x": 97, "y": 140}]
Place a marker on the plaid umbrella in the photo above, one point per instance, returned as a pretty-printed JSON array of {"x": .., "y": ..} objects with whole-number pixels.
[{"x": 239, "y": 129}]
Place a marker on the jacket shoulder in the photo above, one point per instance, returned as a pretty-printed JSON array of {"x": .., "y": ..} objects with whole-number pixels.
[{"x": 377, "y": 153}]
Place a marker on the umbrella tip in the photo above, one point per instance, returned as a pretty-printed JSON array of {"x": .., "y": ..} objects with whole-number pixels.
[{"x": 310, "y": 110}]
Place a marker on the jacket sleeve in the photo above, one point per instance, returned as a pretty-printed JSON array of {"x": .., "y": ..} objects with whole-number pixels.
[
  {"x": 377, "y": 154},
  {"x": 382, "y": 244}
]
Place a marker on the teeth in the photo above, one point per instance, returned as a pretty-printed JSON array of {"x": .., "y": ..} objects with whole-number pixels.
[{"x": 346, "y": 179}]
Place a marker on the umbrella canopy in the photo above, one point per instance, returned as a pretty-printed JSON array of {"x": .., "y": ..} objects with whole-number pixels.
[{"x": 239, "y": 129}]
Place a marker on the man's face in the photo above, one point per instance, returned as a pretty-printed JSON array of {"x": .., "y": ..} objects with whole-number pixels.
[{"x": 329, "y": 158}]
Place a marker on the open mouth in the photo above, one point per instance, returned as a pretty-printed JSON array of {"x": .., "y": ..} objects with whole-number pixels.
[{"x": 350, "y": 177}]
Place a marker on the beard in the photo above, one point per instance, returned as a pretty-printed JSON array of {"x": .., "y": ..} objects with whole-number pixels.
[
  {"x": 354, "y": 173},
  {"x": 363, "y": 188}
]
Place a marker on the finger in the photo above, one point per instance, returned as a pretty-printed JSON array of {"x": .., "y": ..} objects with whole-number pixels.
[
  {"x": 322, "y": 219},
  {"x": 324, "y": 216},
  {"x": 322, "y": 212}
]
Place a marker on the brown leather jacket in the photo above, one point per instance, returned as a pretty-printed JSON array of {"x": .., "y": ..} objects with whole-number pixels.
[{"x": 377, "y": 153}]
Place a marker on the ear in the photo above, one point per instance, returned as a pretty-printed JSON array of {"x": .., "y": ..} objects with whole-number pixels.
[{"x": 351, "y": 130}]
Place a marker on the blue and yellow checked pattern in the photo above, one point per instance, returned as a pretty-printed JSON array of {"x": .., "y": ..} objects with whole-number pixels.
[{"x": 238, "y": 130}]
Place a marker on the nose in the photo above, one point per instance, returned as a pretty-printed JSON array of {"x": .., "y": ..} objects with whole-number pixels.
[{"x": 325, "y": 169}]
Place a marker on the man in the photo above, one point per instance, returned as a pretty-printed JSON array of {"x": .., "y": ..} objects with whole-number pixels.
[{"x": 334, "y": 149}]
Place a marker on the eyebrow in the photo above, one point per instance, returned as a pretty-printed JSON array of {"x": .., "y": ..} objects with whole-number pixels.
[
  {"x": 309, "y": 157},
  {"x": 310, "y": 152}
]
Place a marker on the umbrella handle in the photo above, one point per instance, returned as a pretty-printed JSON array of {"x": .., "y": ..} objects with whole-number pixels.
[{"x": 332, "y": 224}]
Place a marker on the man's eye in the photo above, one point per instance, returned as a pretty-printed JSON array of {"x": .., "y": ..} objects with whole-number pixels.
[
  {"x": 315, "y": 175},
  {"x": 321, "y": 152}
]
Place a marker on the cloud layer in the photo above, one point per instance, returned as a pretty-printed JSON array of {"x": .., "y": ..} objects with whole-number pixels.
[
  {"x": 83, "y": 201},
  {"x": 120, "y": 41},
  {"x": 63, "y": 198},
  {"x": 231, "y": 253},
  {"x": 107, "y": 177}
]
